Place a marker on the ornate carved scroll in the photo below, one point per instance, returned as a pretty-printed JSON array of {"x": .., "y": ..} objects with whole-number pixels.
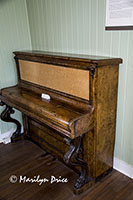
[
  {"x": 72, "y": 158},
  {"x": 5, "y": 116}
]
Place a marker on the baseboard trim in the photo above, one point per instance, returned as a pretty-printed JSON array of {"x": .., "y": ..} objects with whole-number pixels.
[
  {"x": 123, "y": 167},
  {"x": 6, "y": 137}
]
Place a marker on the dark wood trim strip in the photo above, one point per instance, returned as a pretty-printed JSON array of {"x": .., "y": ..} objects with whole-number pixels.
[{"x": 118, "y": 28}]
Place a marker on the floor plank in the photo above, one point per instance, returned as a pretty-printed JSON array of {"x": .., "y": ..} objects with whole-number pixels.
[{"x": 24, "y": 158}]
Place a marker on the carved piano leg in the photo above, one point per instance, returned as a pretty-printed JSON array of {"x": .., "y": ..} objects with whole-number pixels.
[
  {"x": 72, "y": 158},
  {"x": 5, "y": 116}
]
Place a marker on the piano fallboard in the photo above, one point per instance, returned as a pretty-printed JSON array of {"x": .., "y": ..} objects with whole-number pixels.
[{"x": 62, "y": 117}]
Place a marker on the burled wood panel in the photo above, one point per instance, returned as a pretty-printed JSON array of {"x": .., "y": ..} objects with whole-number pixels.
[
  {"x": 105, "y": 100},
  {"x": 72, "y": 81}
]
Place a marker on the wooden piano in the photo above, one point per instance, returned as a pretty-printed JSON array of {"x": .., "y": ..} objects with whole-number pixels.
[{"x": 68, "y": 103}]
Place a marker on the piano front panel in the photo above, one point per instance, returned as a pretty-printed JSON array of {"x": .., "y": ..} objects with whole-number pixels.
[
  {"x": 68, "y": 80},
  {"x": 48, "y": 138}
]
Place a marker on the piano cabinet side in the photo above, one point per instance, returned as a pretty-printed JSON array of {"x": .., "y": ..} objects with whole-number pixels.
[{"x": 99, "y": 143}]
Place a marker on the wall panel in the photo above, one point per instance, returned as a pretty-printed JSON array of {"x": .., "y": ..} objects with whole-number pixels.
[{"x": 14, "y": 35}]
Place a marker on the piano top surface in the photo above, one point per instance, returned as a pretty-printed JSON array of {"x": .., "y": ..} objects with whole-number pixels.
[{"x": 99, "y": 60}]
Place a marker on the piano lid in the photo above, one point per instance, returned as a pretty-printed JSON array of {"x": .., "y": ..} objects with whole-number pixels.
[{"x": 90, "y": 59}]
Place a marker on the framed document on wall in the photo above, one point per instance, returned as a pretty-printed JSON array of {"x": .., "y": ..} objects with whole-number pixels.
[{"x": 119, "y": 15}]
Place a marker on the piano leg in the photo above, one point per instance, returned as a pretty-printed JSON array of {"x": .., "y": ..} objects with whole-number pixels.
[
  {"x": 5, "y": 116},
  {"x": 72, "y": 158}
]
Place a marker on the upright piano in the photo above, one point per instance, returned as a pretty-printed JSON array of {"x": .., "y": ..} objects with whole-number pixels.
[{"x": 68, "y": 103}]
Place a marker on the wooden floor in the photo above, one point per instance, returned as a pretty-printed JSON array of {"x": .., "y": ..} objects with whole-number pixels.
[{"x": 26, "y": 159}]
